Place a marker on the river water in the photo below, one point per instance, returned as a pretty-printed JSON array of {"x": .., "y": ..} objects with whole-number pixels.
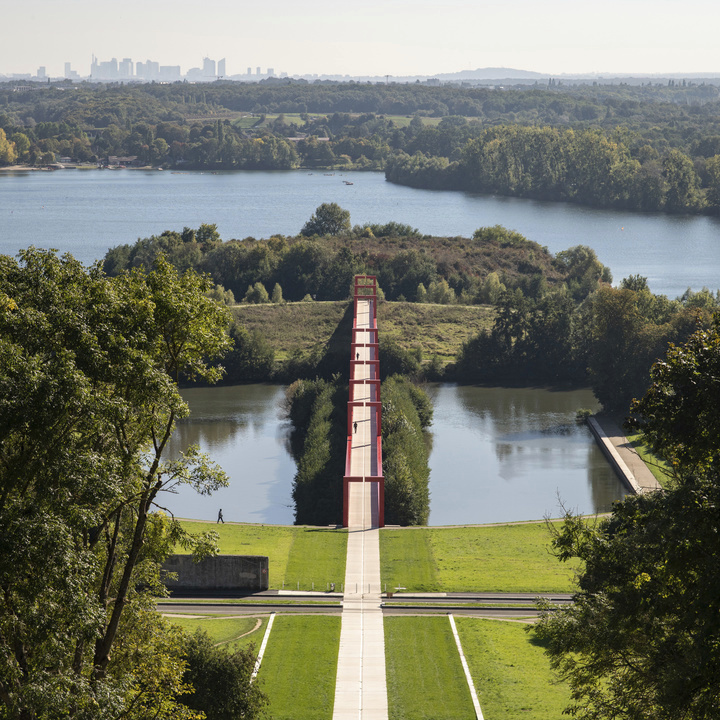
[
  {"x": 498, "y": 455},
  {"x": 87, "y": 211}
]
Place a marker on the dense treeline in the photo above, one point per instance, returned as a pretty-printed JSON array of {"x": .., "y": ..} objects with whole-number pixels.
[
  {"x": 406, "y": 415},
  {"x": 588, "y": 167},
  {"x": 611, "y": 339},
  {"x": 317, "y": 410},
  {"x": 641, "y": 148},
  {"x": 408, "y": 266},
  {"x": 281, "y": 269}
]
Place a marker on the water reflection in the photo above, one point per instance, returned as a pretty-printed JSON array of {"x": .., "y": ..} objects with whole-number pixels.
[
  {"x": 241, "y": 429},
  {"x": 498, "y": 454},
  {"x": 502, "y": 454}
]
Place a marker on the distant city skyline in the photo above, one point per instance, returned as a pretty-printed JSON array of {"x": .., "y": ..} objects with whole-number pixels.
[{"x": 388, "y": 37}]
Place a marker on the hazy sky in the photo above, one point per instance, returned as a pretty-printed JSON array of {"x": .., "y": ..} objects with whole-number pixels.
[{"x": 368, "y": 37}]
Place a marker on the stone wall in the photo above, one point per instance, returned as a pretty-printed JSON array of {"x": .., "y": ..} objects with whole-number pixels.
[{"x": 220, "y": 574}]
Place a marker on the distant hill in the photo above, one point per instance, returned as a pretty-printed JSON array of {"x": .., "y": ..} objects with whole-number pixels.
[{"x": 492, "y": 73}]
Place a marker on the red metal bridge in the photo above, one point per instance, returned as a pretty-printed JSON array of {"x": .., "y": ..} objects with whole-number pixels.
[{"x": 364, "y": 484}]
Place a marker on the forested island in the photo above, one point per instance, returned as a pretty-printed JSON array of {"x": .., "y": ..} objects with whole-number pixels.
[
  {"x": 643, "y": 148},
  {"x": 551, "y": 319}
]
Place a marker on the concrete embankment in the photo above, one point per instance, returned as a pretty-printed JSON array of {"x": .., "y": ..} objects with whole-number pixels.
[{"x": 622, "y": 456}]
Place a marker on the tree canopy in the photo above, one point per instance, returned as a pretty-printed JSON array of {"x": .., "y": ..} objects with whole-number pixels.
[
  {"x": 328, "y": 219},
  {"x": 642, "y": 637},
  {"x": 88, "y": 400}
]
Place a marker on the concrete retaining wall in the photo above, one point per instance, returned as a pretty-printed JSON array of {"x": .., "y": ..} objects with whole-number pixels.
[
  {"x": 220, "y": 574},
  {"x": 613, "y": 456}
]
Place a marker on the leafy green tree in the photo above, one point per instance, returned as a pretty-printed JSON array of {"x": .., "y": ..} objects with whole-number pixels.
[
  {"x": 683, "y": 183},
  {"x": 256, "y": 294},
  {"x": 640, "y": 640},
  {"x": 89, "y": 367},
  {"x": 8, "y": 154},
  {"x": 222, "y": 681},
  {"x": 328, "y": 219},
  {"x": 276, "y": 296},
  {"x": 251, "y": 359},
  {"x": 679, "y": 413}
]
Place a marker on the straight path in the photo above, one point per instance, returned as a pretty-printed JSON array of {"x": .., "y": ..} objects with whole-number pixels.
[{"x": 360, "y": 688}]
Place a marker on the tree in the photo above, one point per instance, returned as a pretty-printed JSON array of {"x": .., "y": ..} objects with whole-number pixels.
[
  {"x": 256, "y": 294},
  {"x": 276, "y": 296},
  {"x": 641, "y": 639},
  {"x": 679, "y": 413},
  {"x": 89, "y": 367},
  {"x": 683, "y": 183},
  {"x": 222, "y": 680},
  {"x": 8, "y": 155},
  {"x": 328, "y": 219}
]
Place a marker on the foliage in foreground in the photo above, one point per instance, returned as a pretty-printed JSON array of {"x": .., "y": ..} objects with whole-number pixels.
[
  {"x": 222, "y": 680},
  {"x": 88, "y": 401},
  {"x": 642, "y": 639}
]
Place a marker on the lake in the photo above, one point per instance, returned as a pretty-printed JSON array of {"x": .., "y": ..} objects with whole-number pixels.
[
  {"x": 85, "y": 212},
  {"x": 498, "y": 455}
]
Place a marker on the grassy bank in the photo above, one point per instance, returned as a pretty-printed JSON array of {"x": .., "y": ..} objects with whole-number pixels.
[
  {"x": 425, "y": 680},
  {"x": 233, "y": 632},
  {"x": 492, "y": 558},
  {"x": 299, "y": 668},
  {"x": 658, "y": 467},
  {"x": 297, "y": 555},
  {"x": 503, "y": 558},
  {"x": 511, "y": 673},
  {"x": 437, "y": 329}
]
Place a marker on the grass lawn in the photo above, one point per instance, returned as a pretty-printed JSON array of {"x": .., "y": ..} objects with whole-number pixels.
[
  {"x": 317, "y": 555},
  {"x": 300, "y": 665},
  {"x": 511, "y": 673},
  {"x": 292, "y": 326},
  {"x": 502, "y": 558},
  {"x": 659, "y": 468},
  {"x": 406, "y": 560},
  {"x": 296, "y": 554},
  {"x": 226, "y": 631},
  {"x": 425, "y": 680},
  {"x": 437, "y": 329}
]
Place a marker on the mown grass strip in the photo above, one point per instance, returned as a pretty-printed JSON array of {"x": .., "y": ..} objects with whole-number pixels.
[
  {"x": 512, "y": 674},
  {"x": 425, "y": 680},
  {"x": 226, "y": 630},
  {"x": 299, "y": 668},
  {"x": 317, "y": 556},
  {"x": 296, "y": 554},
  {"x": 503, "y": 558},
  {"x": 406, "y": 560}
]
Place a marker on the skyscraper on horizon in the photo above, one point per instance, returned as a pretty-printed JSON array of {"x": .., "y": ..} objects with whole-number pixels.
[{"x": 208, "y": 68}]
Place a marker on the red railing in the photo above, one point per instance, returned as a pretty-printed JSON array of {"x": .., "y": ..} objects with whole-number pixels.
[{"x": 364, "y": 352}]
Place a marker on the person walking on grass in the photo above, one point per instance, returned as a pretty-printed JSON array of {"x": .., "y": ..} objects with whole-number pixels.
[{"x": 220, "y": 517}]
